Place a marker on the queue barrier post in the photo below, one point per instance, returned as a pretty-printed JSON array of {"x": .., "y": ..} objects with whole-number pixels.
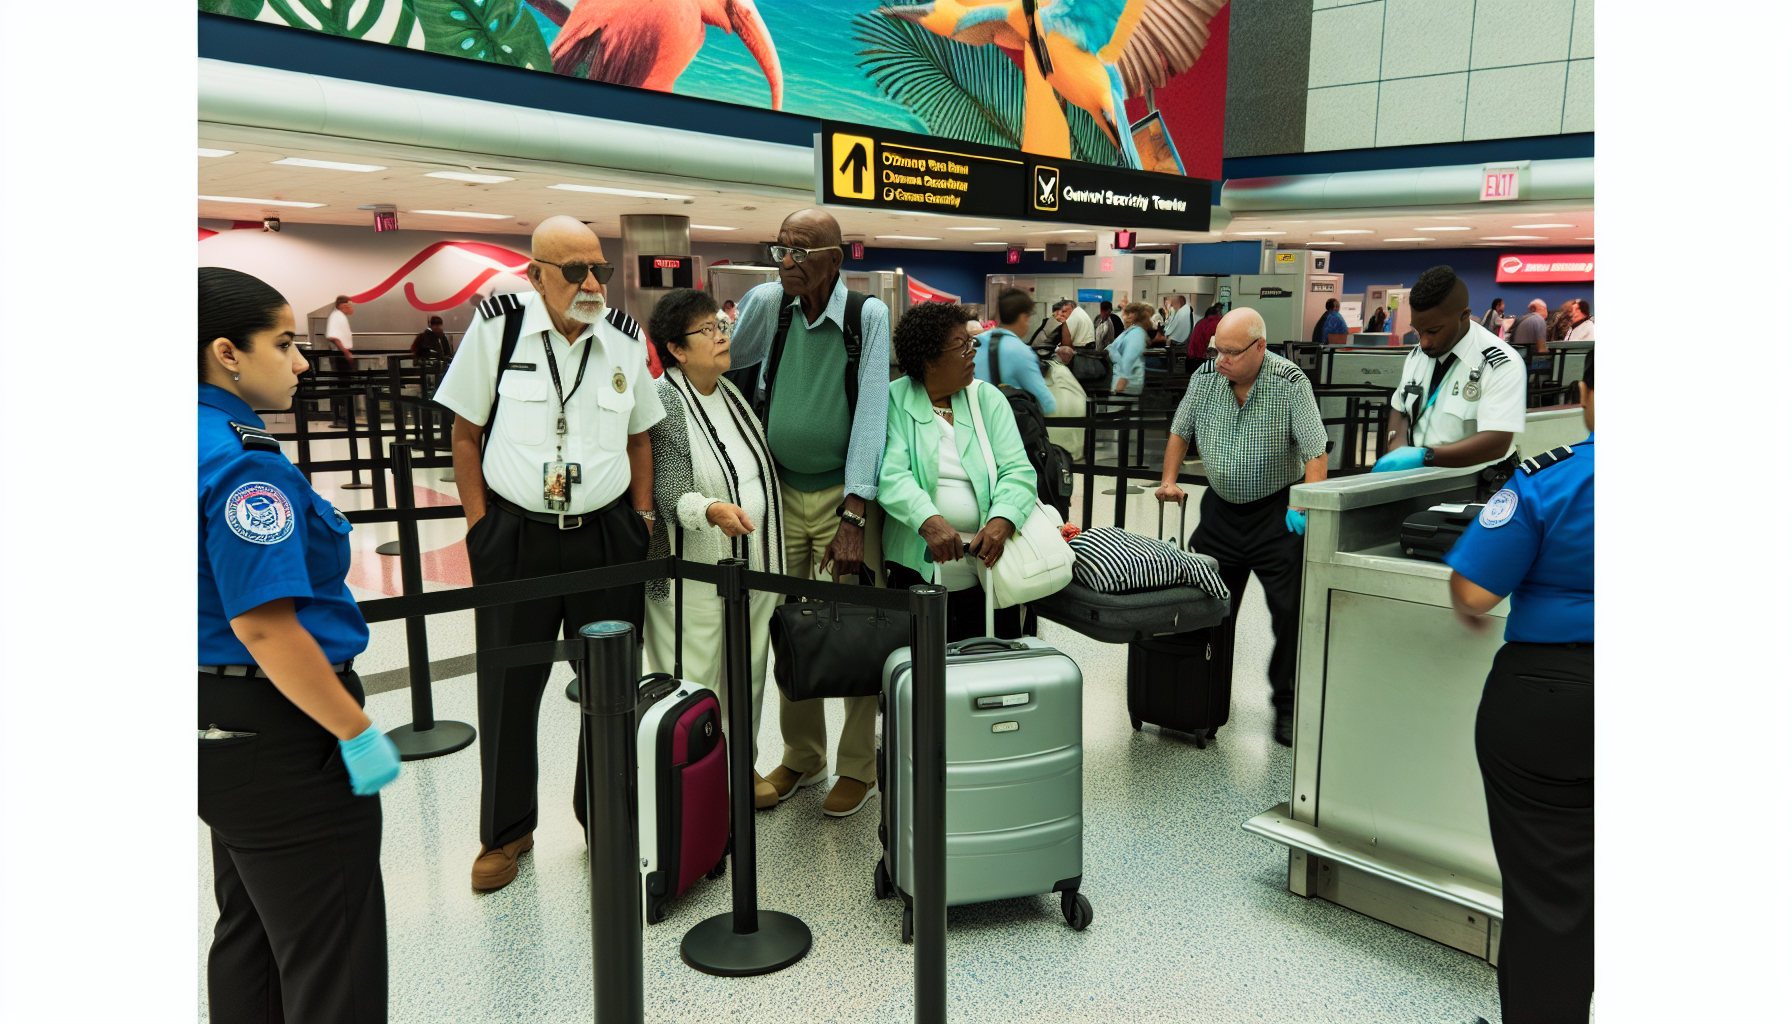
[
  {"x": 608, "y": 678},
  {"x": 354, "y": 450},
  {"x": 927, "y": 646}
]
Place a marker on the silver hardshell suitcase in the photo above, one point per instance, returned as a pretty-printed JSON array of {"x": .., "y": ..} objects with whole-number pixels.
[{"x": 1014, "y": 777}]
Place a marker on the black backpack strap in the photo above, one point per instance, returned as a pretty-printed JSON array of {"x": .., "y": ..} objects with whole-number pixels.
[
  {"x": 854, "y": 331},
  {"x": 512, "y": 310},
  {"x": 762, "y": 402}
]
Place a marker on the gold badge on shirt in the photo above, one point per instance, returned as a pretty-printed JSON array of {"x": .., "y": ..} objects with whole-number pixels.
[{"x": 620, "y": 381}]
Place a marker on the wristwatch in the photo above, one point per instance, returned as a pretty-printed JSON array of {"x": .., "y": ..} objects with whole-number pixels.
[
  {"x": 1430, "y": 457},
  {"x": 645, "y": 513},
  {"x": 850, "y": 517}
]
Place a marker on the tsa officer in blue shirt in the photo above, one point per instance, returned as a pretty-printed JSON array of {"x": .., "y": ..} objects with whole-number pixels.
[
  {"x": 1534, "y": 731},
  {"x": 289, "y": 764}
]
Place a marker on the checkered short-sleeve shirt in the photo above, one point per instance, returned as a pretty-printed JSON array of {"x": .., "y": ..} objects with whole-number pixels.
[{"x": 1254, "y": 450}]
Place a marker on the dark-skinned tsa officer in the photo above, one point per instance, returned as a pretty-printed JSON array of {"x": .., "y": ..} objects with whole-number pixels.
[
  {"x": 290, "y": 767},
  {"x": 1534, "y": 731},
  {"x": 1462, "y": 390}
]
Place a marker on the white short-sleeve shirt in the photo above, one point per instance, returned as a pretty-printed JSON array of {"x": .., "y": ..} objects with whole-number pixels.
[
  {"x": 337, "y": 327},
  {"x": 1483, "y": 389},
  {"x": 617, "y": 398}
]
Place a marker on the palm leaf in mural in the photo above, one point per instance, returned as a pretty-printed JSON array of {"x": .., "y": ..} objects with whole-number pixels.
[
  {"x": 970, "y": 93},
  {"x": 1088, "y": 142},
  {"x": 498, "y": 31},
  {"x": 234, "y": 8}
]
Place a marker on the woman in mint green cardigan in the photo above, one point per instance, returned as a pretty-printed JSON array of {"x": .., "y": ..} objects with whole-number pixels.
[{"x": 934, "y": 485}]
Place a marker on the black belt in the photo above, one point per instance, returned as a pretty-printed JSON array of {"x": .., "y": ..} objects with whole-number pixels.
[
  {"x": 555, "y": 519},
  {"x": 255, "y": 672}
]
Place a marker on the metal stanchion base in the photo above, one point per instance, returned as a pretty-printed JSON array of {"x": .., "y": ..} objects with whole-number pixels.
[
  {"x": 448, "y": 476},
  {"x": 1129, "y": 490},
  {"x": 446, "y": 738},
  {"x": 388, "y": 548},
  {"x": 713, "y": 947},
  {"x": 355, "y": 487}
]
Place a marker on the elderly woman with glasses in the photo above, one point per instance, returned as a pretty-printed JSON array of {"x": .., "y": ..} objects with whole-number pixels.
[
  {"x": 935, "y": 482},
  {"x": 715, "y": 482}
]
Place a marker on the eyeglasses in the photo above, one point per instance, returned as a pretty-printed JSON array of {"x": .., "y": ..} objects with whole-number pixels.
[
  {"x": 710, "y": 331},
  {"x": 575, "y": 272},
  {"x": 795, "y": 254},
  {"x": 1234, "y": 355}
]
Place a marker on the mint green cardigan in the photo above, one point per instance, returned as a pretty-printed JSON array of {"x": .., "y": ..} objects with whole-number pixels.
[{"x": 911, "y": 466}]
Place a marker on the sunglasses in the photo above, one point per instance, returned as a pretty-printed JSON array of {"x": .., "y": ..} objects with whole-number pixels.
[
  {"x": 575, "y": 272},
  {"x": 796, "y": 255}
]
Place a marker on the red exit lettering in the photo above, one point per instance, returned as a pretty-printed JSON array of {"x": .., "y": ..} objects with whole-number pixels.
[
  {"x": 666, "y": 264},
  {"x": 1500, "y": 185}
]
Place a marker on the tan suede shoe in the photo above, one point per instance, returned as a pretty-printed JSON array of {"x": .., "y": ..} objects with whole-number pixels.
[
  {"x": 496, "y": 868},
  {"x": 847, "y": 796},
  {"x": 764, "y": 794},
  {"x": 785, "y": 782}
]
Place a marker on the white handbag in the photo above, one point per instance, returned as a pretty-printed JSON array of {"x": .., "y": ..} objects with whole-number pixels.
[{"x": 1036, "y": 560}]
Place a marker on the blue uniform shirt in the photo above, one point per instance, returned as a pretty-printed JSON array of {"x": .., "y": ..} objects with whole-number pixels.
[
  {"x": 1534, "y": 541},
  {"x": 1019, "y": 366},
  {"x": 265, "y": 534},
  {"x": 1128, "y": 356}
]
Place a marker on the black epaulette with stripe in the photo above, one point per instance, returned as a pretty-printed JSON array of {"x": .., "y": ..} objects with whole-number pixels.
[
  {"x": 1538, "y": 463},
  {"x": 255, "y": 439},
  {"x": 1495, "y": 357},
  {"x": 1206, "y": 367},
  {"x": 498, "y": 305},
  {"x": 1288, "y": 372},
  {"x": 624, "y": 323}
]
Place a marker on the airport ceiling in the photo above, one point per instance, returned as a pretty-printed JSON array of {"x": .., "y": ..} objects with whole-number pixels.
[{"x": 405, "y": 177}]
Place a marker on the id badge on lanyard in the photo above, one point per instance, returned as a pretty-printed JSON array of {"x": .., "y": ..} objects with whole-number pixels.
[{"x": 558, "y": 477}]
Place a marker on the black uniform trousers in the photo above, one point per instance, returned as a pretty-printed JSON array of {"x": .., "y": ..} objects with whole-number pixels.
[
  {"x": 301, "y": 933},
  {"x": 1250, "y": 538},
  {"x": 1534, "y": 740},
  {"x": 505, "y": 546},
  {"x": 964, "y": 608}
]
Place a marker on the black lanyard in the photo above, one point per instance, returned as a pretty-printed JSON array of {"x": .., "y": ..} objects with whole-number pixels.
[{"x": 554, "y": 369}]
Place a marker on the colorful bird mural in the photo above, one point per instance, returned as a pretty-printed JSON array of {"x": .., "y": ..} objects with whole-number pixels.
[
  {"x": 649, "y": 43},
  {"x": 1090, "y": 53}
]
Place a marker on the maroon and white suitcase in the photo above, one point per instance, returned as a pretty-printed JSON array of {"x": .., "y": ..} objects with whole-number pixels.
[{"x": 681, "y": 762}]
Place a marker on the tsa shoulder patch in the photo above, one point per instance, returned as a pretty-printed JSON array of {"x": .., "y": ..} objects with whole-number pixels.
[
  {"x": 1500, "y": 509},
  {"x": 259, "y": 513}
]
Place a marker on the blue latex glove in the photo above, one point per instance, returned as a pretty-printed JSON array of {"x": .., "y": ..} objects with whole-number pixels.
[
  {"x": 1408, "y": 457},
  {"x": 1296, "y": 521},
  {"x": 371, "y": 759}
]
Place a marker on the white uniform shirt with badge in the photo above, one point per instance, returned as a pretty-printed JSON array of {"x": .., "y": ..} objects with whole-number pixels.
[
  {"x": 616, "y": 399},
  {"x": 1483, "y": 389},
  {"x": 336, "y": 327}
]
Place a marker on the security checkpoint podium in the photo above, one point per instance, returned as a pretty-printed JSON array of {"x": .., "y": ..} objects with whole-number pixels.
[{"x": 1386, "y": 814}]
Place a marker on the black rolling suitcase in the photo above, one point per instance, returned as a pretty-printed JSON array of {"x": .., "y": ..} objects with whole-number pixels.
[{"x": 1182, "y": 681}]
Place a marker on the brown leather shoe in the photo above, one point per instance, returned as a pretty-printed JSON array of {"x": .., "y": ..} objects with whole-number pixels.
[
  {"x": 764, "y": 795},
  {"x": 785, "y": 782},
  {"x": 847, "y": 796},
  {"x": 496, "y": 866}
]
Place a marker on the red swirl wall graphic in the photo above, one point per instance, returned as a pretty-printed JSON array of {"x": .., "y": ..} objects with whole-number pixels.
[{"x": 512, "y": 260}]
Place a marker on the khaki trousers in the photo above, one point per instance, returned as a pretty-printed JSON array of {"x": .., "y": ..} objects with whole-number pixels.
[{"x": 809, "y": 527}]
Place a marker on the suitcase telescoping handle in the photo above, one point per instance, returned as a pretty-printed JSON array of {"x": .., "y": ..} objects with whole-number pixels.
[
  {"x": 988, "y": 581},
  {"x": 1181, "y": 524},
  {"x": 677, "y": 599}
]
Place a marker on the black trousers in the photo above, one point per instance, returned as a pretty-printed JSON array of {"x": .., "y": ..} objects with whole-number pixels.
[
  {"x": 1253, "y": 538},
  {"x": 1534, "y": 739},
  {"x": 505, "y": 546},
  {"x": 964, "y": 608},
  {"x": 301, "y": 933}
]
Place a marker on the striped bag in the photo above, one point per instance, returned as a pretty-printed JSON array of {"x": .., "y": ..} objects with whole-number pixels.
[{"x": 1113, "y": 561}]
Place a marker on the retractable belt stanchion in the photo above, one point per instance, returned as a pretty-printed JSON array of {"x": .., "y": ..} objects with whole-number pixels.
[
  {"x": 354, "y": 447},
  {"x": 927, "y": 642},
  {"x": 608, "y": 682},
  {"x": 424, "y": 736},
  {"x": 747, "y": 940}
]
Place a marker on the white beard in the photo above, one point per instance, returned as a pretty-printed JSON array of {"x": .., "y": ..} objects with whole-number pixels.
[{"x": 586, "y": 310}]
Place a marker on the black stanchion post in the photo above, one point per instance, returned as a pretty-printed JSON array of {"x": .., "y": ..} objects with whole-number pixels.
[
  {"x": 301, "y": 408},
  {"x": 376, "y": 445},
  {"x": 424, "y": 736},
  {"x": 748, "y": 940},
  {"x": 927, "y": 610},
  {"x": 354, "y": 452},
  {"x": 608, "y": 681},
  {"x": 1089, "y": 470},
  {"x": 401, "y": 433}
]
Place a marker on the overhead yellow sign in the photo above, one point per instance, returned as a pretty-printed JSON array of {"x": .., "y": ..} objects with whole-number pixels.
[
  {"x": 854, "y": 160},
  {"x": 1287, "y": 257}
]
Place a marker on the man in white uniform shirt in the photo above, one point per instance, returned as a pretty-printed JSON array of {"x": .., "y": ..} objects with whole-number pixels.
[
  {"x": 1462, "y": 391},
  {"x": 1077, "y": 325},
  {"x": 342, "y": 339},
  {"x": 1181, "y": 323},
  {"x": 552, "y": 401}
]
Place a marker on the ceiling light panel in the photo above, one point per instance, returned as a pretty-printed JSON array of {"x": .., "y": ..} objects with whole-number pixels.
[
  {"x": 1416, "y": 239},
  {"x": 1514, "y": 238},
  {"x": 460, "y": 213},
  {"x": 1543, "y": 225},
  {"x": 257, "y": 202},
  {"x": 989, "y": 243},
  {"x": 1346, "y": 231},
  {"x": 911, "y": 238},
  {"x": 1436, "y": 227},
  {"x": 328, "y": 165},
  {"x": 712, "y": 227},
  {"x": 477, "y": 179},
  {"x": 216, "y": 152},
  {"x": 605, "y": 190}
]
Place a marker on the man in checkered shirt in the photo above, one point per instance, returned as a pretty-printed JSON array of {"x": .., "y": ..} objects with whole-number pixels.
[{"x": 1253, "y": 418}]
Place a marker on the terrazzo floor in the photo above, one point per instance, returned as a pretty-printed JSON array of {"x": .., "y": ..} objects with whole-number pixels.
[{"x": 1193, "y": 921}]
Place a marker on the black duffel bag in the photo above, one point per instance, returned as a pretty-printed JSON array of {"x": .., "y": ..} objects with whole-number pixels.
[
  {"x": 1429, "y": 535},
  {"x": 831, "y": 649},
  {"x": 1090, "y": 367}
]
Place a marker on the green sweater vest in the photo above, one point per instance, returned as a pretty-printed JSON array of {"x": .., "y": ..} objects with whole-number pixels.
[{"x": 809, "y": 422}]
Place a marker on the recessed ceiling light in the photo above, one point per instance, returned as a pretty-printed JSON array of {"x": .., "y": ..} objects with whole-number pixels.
[
  {"x": 1409, "y": 239},
  {"x": 329, "y": 165},
  {"x": 478, "y": 179},
  {"x": 607, "y": 191},
  {"x": 1346, "y": 231},
  {"x": 1070, "y": 231},
  {"x": 216, "y": 152},
  {"x": 973, "y": 229},
  {"x": 912, "y": 238},
  {"x": 257, "y": 202},
  {"x": 713, "y": 227},
  {"x": 1436, "y": 227},
  {"x": 989, "y": 243},
  {"x": 1514, "y": 238},
  {"x": 1259, "y": 232},
  {"x": 462, "y": 213},
  {"x": 1036, "y": 248},
  {"x": 1543, "y": 225},
  {"x": 1589, "y": 238}
]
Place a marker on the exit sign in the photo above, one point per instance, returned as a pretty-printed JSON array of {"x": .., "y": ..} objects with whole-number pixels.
[
  {"x": 1014, "y": 255},
  {"x": 385, "y": 220},
  {"x": 858, "y": 250},
  {"x": 667, "y": 263},
  {"x": 1504, "y": 181}
]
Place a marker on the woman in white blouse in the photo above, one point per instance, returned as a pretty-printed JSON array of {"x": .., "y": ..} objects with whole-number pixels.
[{"x": 713, "y": 479}]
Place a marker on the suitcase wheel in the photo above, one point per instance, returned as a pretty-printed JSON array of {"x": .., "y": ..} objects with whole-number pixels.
[
  {"x": 908, "y": 924},
  {"x": 1135, "y": 725},
  {"x": 1077, "y": 911},
  {"x": 880, "y": 882},
  {"x": 720, "y": 868},
  {"x": 1200, "y": 739}
]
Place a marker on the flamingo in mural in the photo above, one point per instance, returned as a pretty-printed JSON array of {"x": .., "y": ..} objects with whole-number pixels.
[
  {"x": 1093, "y": 53},
  {"x": 649, "y": 43}
]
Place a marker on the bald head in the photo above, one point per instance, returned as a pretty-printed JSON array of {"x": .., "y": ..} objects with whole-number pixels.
[
  {"x": 1242, "y": 326},
  {"x": 563, "y": 238},
  {"x": 1539, "y": 307},
  {"x": 816, "y": 228}
]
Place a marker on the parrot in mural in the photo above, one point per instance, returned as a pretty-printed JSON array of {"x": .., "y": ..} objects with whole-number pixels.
[
  {"x": 1093, "y": 53},
  {"x": 649, "y": 43}
]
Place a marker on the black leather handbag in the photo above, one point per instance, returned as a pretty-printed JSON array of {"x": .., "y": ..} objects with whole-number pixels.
[{"x": 830, "y": 649}]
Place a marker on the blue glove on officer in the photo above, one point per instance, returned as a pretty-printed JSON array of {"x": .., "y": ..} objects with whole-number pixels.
[
  {"x": 1408, "y": 457},
  {"x": 1296, "y": 521},
  {"x": 371, "y": 760}
]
